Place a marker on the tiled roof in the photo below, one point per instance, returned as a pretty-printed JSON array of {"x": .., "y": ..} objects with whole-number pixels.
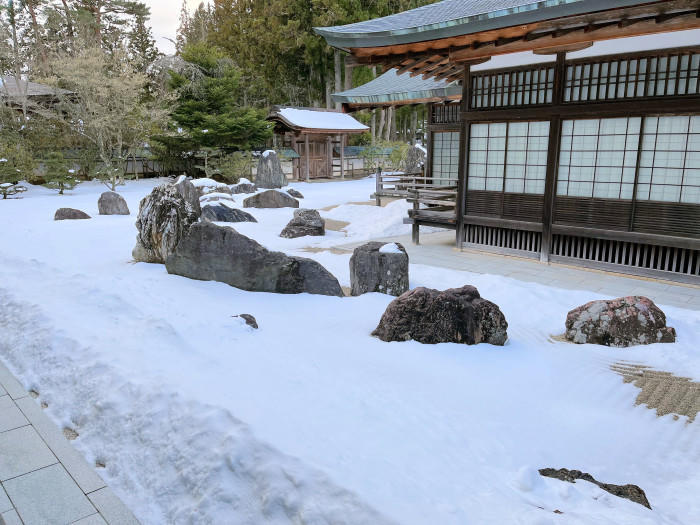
[
  {"x": 8, "y": 87},
  {"x": 394, "y": 88},
  {"x": 457, "y": 17}
]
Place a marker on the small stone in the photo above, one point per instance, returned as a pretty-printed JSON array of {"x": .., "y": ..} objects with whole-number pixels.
[
  {"x": 100, "y": 463},
  {"x": 63, "y": 214},
  {"x": 70, "y": 434},
  {"x": 249, "y": 320},
  {"x": 34, "y": 393},
  {"x": 305, "y": 222},
  {"x": 295, "y": 193},
  {"x": 44, "y": 404},
  {"x": 244, "y": 186}
]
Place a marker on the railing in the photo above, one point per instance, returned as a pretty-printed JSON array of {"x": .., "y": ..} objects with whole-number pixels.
[
  {"x": 444, "y": 114},
  {"x": 391, "y": 184}
]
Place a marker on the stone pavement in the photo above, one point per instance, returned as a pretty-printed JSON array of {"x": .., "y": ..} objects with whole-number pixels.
[
  {"x": 438, "y": 249},
  {"x": 43, "y": 479}
]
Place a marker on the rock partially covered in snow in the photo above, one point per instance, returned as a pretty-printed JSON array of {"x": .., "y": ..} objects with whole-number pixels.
[
  {"x": 249, "y": 320},
  {"x": 205, "y": 186},
  {"x": 111, "y": 203},
  {"x": 221, "y": 213},
  {"x": 379, "y": 267},
  {"x": 164, "y": 219},
  {"x": 244, "y": 186},
  {"x": 630, "y": 492},
  {"x": 295, "y": 193},
  {"x": 305, "y": 222},
  {"x": 270, "y": 174},
  {"x": 271, "y": 199},
  {"x": 415, "y": 159},
  {"x": 217, "y": 197},
  {"x": 63, "y": 214},
  {"x": 621, "y": 322},
  {"x": 185, "y": 188},
  {"x": 219, "y": 253},
  {"x": 456, "y": 315}
]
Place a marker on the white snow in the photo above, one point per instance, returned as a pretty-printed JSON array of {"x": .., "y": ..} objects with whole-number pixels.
[
  {"x": 390, "y": 247},
  {"x": 200, "y": 419},
  {"x": 267, "y": 152},
  {"x": 329, "y": 120},
  {"x": 206, "y": 183}
]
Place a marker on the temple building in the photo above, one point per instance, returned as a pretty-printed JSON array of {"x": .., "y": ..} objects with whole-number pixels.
[{"x": 576, "y": 136}]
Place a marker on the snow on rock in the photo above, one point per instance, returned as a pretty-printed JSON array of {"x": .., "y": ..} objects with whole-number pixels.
[{"x": 391, "y": 247}]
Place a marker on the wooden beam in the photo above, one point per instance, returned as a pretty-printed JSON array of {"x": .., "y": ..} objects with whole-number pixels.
[
  {"x": 429, "y": 60},
  {"x": 454, "y": 70},
  {"x": 569, "y": 48},
  {"x": 438, "y": 71},
  {"x": 430, "y": 66}
]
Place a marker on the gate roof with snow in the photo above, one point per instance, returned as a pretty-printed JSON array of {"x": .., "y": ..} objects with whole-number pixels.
[{"x": 314, "y": 121}]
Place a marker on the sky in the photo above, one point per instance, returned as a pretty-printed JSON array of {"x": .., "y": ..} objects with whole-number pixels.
[{"x": 165, "y": 16}]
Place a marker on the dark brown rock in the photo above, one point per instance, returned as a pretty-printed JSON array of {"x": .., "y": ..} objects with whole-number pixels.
[
  {"x": 621, "y": 322},
  {"x": 456, "y": 315},
  {"x": 305, "y": 222},
  {"x": 63, "y": 214},
  {"x": 271, "y": 199},
  {"x": 294, "y": 193},
  {"x": 630, "y": 492},
  {"x": 249, "y": 320}
]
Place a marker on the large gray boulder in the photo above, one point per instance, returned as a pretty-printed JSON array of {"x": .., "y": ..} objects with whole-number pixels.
[
  {"x": 271, "y": 199},
  {"x": 185, "y": 188},
  {"x": 415, "y": 159},
  {"x": 64, "y": 214},
  {"x": 164, "y": 219},
  {"x": 625, "y": 321},
  {"x": 379, "y": 267},
  {"x": 111, "y": 203},
  {"x": 219, "y": 253},
  {"x": 305, "y": 222},
  {"x": 456, "y": 315},
  {"x": 222, "y": 213},
  {"x": 270, "y": 174}
]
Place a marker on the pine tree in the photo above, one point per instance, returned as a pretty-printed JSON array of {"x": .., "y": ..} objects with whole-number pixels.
[
  {"x": 58, "y": 173},
  {"x": 142, "y": 45}
]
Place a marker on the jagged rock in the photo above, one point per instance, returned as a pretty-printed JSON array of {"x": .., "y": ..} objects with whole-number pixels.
[
  {"x": 185, "y": 188},
  {"x": 621, "y": 322},
  {"x": 295, "y": 193},
  {"x": 164, "y": 219},
  {"x": 244, "y": 186},
  {"x": 456, "y": 315},
  {"x": 305, "y": 222},
  {"x": 205, "y": 186},
  {"x": 271, "y": 199},
  {"x": 249, "y": 320},
  {"x": 270, "y": 174},
  {"x": 222, "y": 213},
  {"x": 111, "y": 203},
  {"x": 63, "y": 214},
  {"x": 415, "y": 159},
  {"x": 630, "y": 492},
  {"x": 219, "y": 253},
  {"x": 379, "y": 267}
]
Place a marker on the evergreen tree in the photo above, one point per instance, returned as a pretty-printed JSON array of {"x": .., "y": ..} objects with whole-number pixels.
[
  {"x": 58, "y": 173},
  {"x": 142, "y": 45}
]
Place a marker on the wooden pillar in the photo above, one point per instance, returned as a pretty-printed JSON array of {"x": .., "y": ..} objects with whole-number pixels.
[
  {"x": 329, "y": 156},
  {"x": 342, "y": 156},
  {"x": 463, "y": 164},
  {"x": 308, "y": 156},
  {"x": 552, "y": 158}
]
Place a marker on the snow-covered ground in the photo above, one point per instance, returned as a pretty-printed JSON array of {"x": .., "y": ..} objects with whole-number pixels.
[{"x": 200, "y": 419}]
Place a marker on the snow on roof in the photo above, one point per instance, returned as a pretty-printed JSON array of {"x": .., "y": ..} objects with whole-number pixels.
[
  {"x": 10, "y": 87},
  {"x": 317, "y": 119}
]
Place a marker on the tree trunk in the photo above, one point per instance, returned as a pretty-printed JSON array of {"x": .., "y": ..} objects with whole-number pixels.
[
  {"x": 373, "y": 126},
  {"x": 338, "y": 76},
  {"x": 414, "y": 125},
  {"x": 329, "y": 88},
  {"x": 69, "y": 21},
  {"x": 388, "y": 123},
  {"x": 380, "y": 129},
  {"x": 348, "y": 75},
  {"x": 37, "y": 35}
]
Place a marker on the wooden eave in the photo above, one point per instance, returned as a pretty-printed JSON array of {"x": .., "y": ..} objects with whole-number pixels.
[{"x": 445, "y": 58}]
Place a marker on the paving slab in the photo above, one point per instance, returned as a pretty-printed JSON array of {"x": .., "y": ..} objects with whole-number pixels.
[
  {"x": 21, "y": 451},
  {"x": 10, "y": 383},
  {"x": 111, "y": 507},
  {"x": 10, "y": 416},
  {"x": 48, "y": 496},
  {"x": 5, "y": 503},
  {"x": 94, "y": 519},
  {"x": 10, "y": 518},
  {"x": 83, "y": 474}
]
